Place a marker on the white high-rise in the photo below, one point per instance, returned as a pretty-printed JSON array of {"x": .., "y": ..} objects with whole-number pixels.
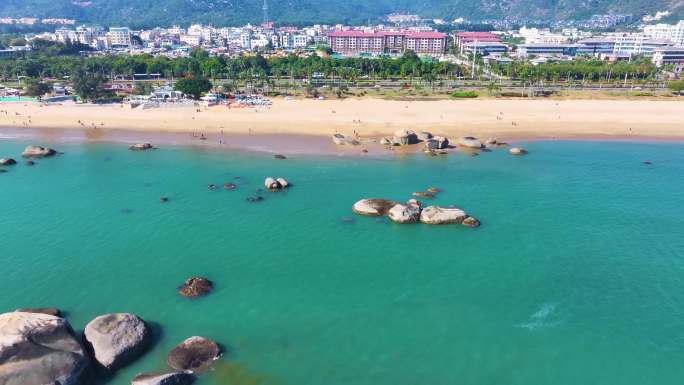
[{"x": 673, "y": 33}]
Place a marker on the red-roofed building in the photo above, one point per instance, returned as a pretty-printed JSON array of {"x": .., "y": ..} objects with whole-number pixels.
[
  {"x": 469, "y": 37},
  {"x": 355, "y": 42}
]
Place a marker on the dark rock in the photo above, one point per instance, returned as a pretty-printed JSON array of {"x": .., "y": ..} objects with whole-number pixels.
[
  {"x": 116, "y": 339},
  {"x": 41, "y": 310},
  {"x": 195, "y": 354},
  {"x": 141, "y": 147},
  {"x": 7, "y": 161},
  {"x": 278, "y": 156},
  {"x": 211, "y": 186},
  {"x": 254, "y": 199},
  {"x": 195, "y": 287},
  {"x": 40, "y": 349},
  {"x": 173, "y": 378},
  {"x": 30, "y": 163},
  {"x": 164, "y": 199}
]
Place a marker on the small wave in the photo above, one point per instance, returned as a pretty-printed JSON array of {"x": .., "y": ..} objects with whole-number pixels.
[{"x": 541, "y": 318}]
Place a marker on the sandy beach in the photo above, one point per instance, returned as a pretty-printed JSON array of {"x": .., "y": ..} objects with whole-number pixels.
[{"x": 505, "y": 119}]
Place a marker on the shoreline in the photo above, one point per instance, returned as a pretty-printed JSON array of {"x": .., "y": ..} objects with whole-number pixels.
[{"x": 306, "y": 126}]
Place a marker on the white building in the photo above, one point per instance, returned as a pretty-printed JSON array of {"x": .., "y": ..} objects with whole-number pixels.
[
  {"x": 119, "y": 37},
  {"x": 672, "y": 33}
]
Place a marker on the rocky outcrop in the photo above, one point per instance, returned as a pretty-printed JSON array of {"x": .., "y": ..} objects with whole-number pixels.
[
  {"x": 38, "y": 152},
  {"x": 41, "y": 310},
  {"x": 437, "y": 143},
  {"x": 275, "y": 184},
  {"x": 373, "y": 207},
  {"x": 40, "y": 349},
  {"x": 424, "y": 135},
  {"x": 343, "y": 140},
  {"x": 471, "y": 222},
  {"x": 7, "y": 162},
  {"x": 517, "y": 151},
  {"x": 469, "y": 142},
  {"x": 195, "y": 354},
  {"x": 195, "y": 287},
  {"x": 404, "y": 137},
  {"x": 173, "y": 378},
  {"x": 141, "y": 147},
  {"x": 409, "y": 213},
  {"x": 116, "y": 339},
  {"x": 435, "y": 215}
]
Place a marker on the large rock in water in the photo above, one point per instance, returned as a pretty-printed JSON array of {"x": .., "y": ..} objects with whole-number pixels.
[
  {"x": 517, "y": 151},
  {"x": 195, "y": 354},
  {"x": 196, "y": 287},
  {"x": 174, "y": 378},
  {"x": 37, "y": 152},
  {"x": 409, "y": 213},
  {"x": 435, "y": 215},
  {"x": 7, "y": 162},
  {"x": 373, "y": 207},
  {"x": 40, "y": 349},
  {"x": 42, "y": 310},
  {"x": 116, "y": 339}
]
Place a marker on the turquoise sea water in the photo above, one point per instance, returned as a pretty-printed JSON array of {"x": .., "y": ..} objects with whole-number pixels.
[{"x": 575, "y": 277}]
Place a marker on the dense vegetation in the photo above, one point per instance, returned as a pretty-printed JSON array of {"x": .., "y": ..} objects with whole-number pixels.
[
  {"x": 51, "y": 60},
  {"x": 223, "y": 12},
  {"x": 587, "y": 69}
]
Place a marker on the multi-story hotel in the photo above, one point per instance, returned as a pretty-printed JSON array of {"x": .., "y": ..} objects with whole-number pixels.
[{"x": 388, "y": 42}]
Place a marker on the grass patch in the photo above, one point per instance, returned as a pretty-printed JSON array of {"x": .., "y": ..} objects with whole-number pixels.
[{"x": 463, "y": 94}]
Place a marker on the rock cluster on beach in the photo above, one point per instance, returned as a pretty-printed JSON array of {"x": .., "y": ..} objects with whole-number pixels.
[
  {"x": 413, "y": 212},
  {"x": 42, "y": 349}
]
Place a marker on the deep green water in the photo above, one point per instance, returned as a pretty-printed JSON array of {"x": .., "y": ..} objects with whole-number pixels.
[{"x": 575, "y": 277}]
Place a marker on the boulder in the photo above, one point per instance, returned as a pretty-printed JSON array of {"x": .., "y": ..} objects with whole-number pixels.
[
  {"x": 283, "y": 183},
  {"x": 387, "y": 142},
  {"x": 7, "y": 161},
  {"x": 491, "y": 142},
  {"x": 141, "y": 147},
  {"x": 229, "y": 186},
  {"x": 195, "y": 354},
  {"x": 437, "y": 143},
  {"x": 173, "y": 378},
  {"x": 279, "y": 156},
  {"x": 37, "y": 152},
  {"x": 404, "y": 137},
  {"x": 424, "y": 135},
  {"x": 195, "y": 287},
  {"x": 116, "y": 339},
  {"x": 40, "y": 349},
  {"x": 409, "y": 213},
  {"x": 373, "y": 207},
  {"x": 469, "y": 142},
  {"x": 435, "y": 215},
  {"x": 471, "y": 222},
  {"x": 517, "y": 151},
  {"x": 434, "y": 190},
  {"x": 342, "y": 140},
  {"x": 41, "y": 310}
]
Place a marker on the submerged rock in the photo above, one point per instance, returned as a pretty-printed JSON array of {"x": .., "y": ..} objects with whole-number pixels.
[
  {"x": 409, "y": 213},
  {"x": 41, "y": 310},
  {"x": 37, "y": 152},
  {"x": 173, "y": 378},
  {"x": 116, "y": 339},
  {"x": 195, "y": 287},
  {"x": 373, "y": 207},
  {"x": 279, "y": 156},
  {"x": 7, "y": 162},
  {"x": 40, "y": 349},
  {"x": 163, "y": 199},
  {"x": 141, "y": 147},
  {"x": 517, "y": 151},
  {"x": 434, "y": 190},
  {"x": 422, "y": 194},
  {"x": 254, "y": 199},
  {"x": 469, "y": 142},
  {"x": 435, "y": 215},
  {"x": 30, "y": 163},
  {"x": 229, "y": 186},
  {"x": 195, "y": 354}
]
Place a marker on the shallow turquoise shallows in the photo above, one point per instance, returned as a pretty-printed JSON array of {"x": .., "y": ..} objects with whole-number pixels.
[{"x": 575, "y": 277}]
